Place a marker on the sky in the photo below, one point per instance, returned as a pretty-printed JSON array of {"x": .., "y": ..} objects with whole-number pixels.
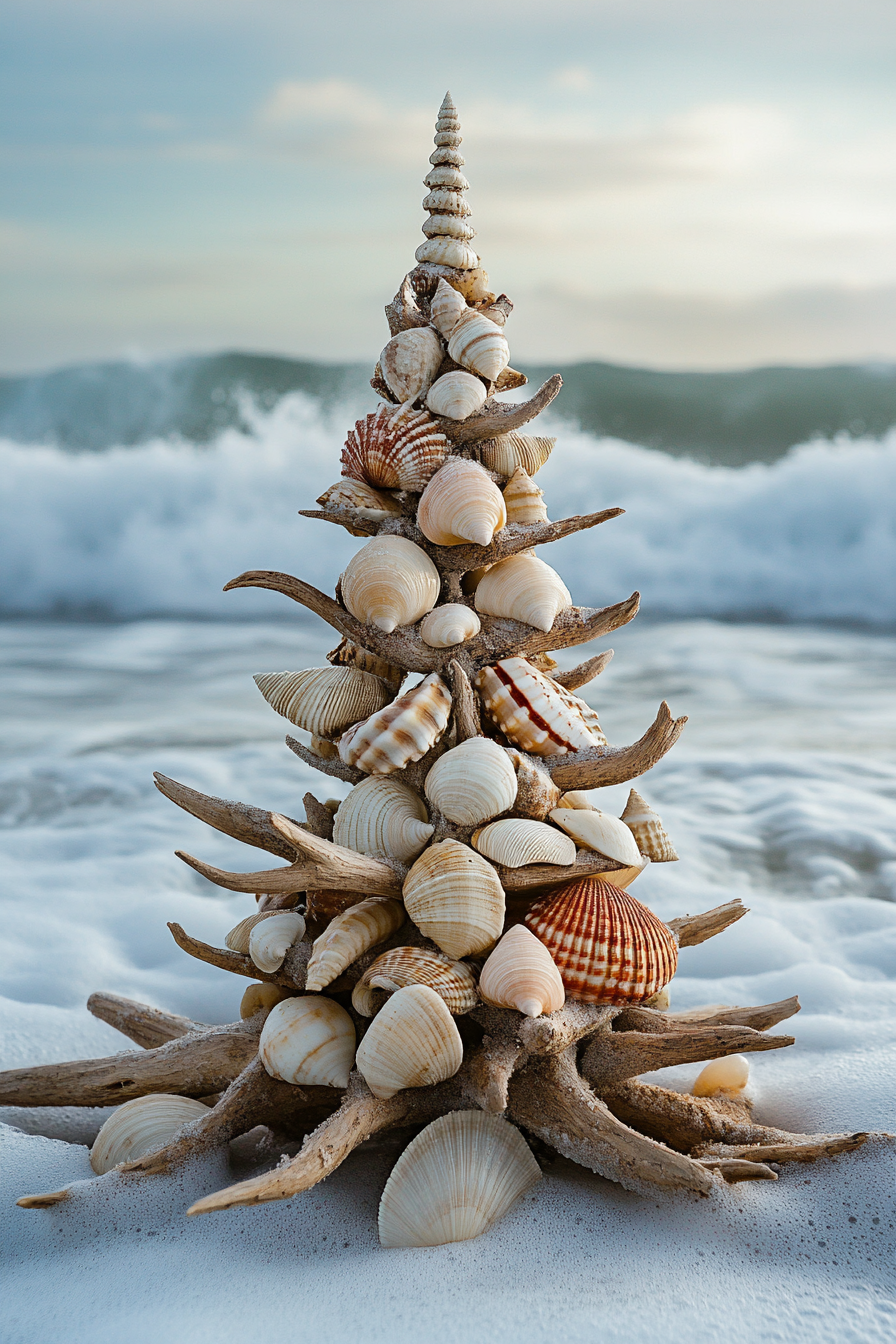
[{"x": 674, "y": 183}]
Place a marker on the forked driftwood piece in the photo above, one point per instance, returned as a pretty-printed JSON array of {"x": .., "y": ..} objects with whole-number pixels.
[
  {"x": 146, "y": 1026},
  {"x": 617, "y": 765},
  {"x": 580, "y": 676},
  {"x": 694, "y": 929},
  {"x": 250, "y": 824},
  {"x": 760, "y": 1018},
  {"x": 619, "y": 1055},
  {"x": 291, "y": 974}
]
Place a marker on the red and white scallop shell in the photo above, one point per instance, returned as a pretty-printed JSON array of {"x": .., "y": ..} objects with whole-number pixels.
[{"x": 394, "y": 448}]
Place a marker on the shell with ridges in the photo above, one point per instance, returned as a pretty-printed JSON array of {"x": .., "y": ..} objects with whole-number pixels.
[
  {"x": 479, "y": 344},
  {"x": 454, "y": 897},
  {"x": 394, "y": 448},
  {"x": 509, "y": 451},
  {"x": 142, "y": 1126},
  {"x": 270, "y": 940},
  {"x": 472, "y": 782},
  {"x": 323, "y": 700},
  {"x": 412, "y": 1042},
  {"x": 383, "y": 818},
  {"x": 533, "y": 711},
  {"x": 238, "y": 937},
  {"x": 350, "y": 935},
  {"x": 456, "y": 395},
  {"x": 446, "y": 308},
  {"x": 601, "y": 832},
  {"x": 517, "y": 841},
  {"x": 452, "y": 623},
  {"x": 727, "y": 1076},
  {"x": 453, "y": 981},
  {"x": 446, "y": 251},
  {"x": 449, "y": 226},
  {"x": 359, "y": 498},
  {"x": 523, "y": 500},
  {"x": 646, "y": 827},
  {"x": 525, "y": 589},
  {"x": 520, "y": 973},
  {"x": 447, "y": 202},
  {"x": 461, "y": 504},
  {"x": 308, "y": 1041},
  {"x": 390, "y": 582},
  {"x": 410, "y": 361},
  {"x": 402, "y": 732},
  {"x": 259, "y": 996}
]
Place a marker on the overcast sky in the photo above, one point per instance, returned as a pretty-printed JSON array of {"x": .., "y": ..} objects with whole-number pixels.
[{"x": 681, "y": 183}]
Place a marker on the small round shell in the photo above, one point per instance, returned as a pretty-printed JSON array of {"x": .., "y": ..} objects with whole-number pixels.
[
  {"x": 454, "y": 897},
  {"x": 453, "y": 981},
  {"x": 472, "y": 782},
  {"x": 394, "y": 448},
  {"x": 142, "y": 1126},
  {"x": 356, "y": 497},
  {"x": 727, "y": 1076},
  {"x": 270, "y": 940},
  {"x": 456, "y": 395},
  {"x": 646, "y": 827},
  {"x": 410, "y": 361},
  {"x": 480, "y": 345},
  {"x": 323, "y": 700},
  {"x": 601, "y": 832},
  {"x": 383, "y": 818},
  {"x": 450, "y": 624},
  {"x": 520, "y": 973},
  {"x": 516, "y": 842},
  {"x": 509, "y": 451},
  {"x": 412, "y": 1042},
  {"x": 447, "y": 305},
  {"x": 310, "y": 1041},
  {"x": 350, "y": 935},
  {"x": 525, "y": 589},
  {"x": 523, "y": 500},
  {"x": 262, "y": 996},
  {"x": 461, "y": 504},
  {"x": 390, "y": 582},
  {"x": 402, "y": 732}
]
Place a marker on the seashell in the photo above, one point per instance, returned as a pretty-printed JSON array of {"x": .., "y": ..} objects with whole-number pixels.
[
  {"x": 523, "y": 500},
  {"x": 450, "y": 624},
  {"x": 472, "y": 782},
  {"x": 454, "y": 897},
  {"x": 310, "y": 1041},
  {"x": 402, "y": 732},
  {"x": 660, "y": 1001},
  {"x": 601, "y": 832},
  {"x": 238, "y": 937},
  {"x": 456, "y": 395},
  {"x": 520, "y": 973},
  {"x": 412, "y": 1042},
  {"x": 390, "y": 582},
  {"x": 479, "y": 344},
  {"x": 359, "y": 498},
  {"x": 270, "y": 940},
  {"x": 444, "y": 176},
  {"x": 447, "y": 305},
  {"x": 449, "y": 226},
  {"x": 321, "y": 746},
  {"x": 646, "y": 827},
  {"x": 509, "y": 378},
  {"x": 536, "y": 792},
  {"x": 535, "y": 712},
  {"x": 517, "y": 841},
  {"x": 394, "y": 448},
  {"x": 446, "y": 251},
  {"x": 383, "y": 818},
  {"x": 347, "y": 654},
  {"x": 576, "y": 799},
  {"x": 453, "y": 981},
  {"x": 728, "y": 1076},
  {"x": 140, "y": 1127},
  {"x": 259, "y": 996},
  {"x": 410, "y": 361},
  {"x": 445, "y": 201},
  {"x": 323, "y": 700},
  {"x": 525, "y": 589},
  {"x": 350, "y": 935},
  {"x": 454, "y": 1180},
  {"x": 323, "y": 904},
  {"x": 608, "y": 947},
  {"x": 624, "y": 877},
  {"x": 473, "y": 578},
  {"x": 461, "y": 504},
  {"x": 509, "y": 451}
]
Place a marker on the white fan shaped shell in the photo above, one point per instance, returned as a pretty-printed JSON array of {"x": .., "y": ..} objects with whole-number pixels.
[
  {"x": 412, "y": 1042},
  {"x": 472, "y": 782},
  {"x": 141, "y": 1126}
]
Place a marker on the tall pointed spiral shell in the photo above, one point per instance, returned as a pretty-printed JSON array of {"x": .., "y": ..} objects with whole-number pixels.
[
  {"x": 608, "y": 947},
  {"x": 525, "y": 589},
  {"x": 394, "y": 448},
  {"x": 308, "y": 1040},
  {"x": 454, "y": 897},
  {"x": 523, "y": 499},
  {"x": 390, "y": 582},
  {"x": 383, "y": 818},
  {"x": 646, "y": 827},
  {"x": 504, "y": 454},
  {"x": 412, "y": 1042},
  {"x": 141, "y": 1126},
  {"x": 518, "y": 841},
  {"x": 447, "y": 305},
  {"x": 410, "y": 361},
  {"x": 600, "y": 831},
  {"x": 479, "y": 344},
  {"x": 534, "y": 711},
  {"x": 271, "y": 939},
  {"x": 447, "y": 232},
  {"x": 402, "y": 732},
  {"x": 472, "y": 782},
  {"x": 350, "y": 935},
  {"x": 453, "y": 981},
  {"x": 520, "y": 973},
  {"x": 323, "y": 700},
  {"x": 461, "y": 504},
  {"x": 456, "y": 395},
  {"x": 452, "y": 623}
]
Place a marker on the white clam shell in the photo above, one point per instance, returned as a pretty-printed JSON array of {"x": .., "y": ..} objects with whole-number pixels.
[
  {"x": 262, "y": 996},
  {"x": 648, "y": 830},
  {"x": 308, "y": 1040},
  {"x": 453, "y": 981},
  {"x": 390, "y": 582},
  {"x": 450, "y": 624},
  {"x": 383, "y": 818},
  {"x": 461, "y": 504},
  {"x": 576, "y": 799},
  {"x": 525, "y": 589},
  {"x": 238, "y": 937},
  {"x": 359, "y": 498},
  {"x": 447, "y": 305},
  {"x": 142, "y": 1126},
  {"x": 472, "y": 782},
  {"x": 456, "y": 395},
  {"x": 412, "y": 1042},
  {"x": 350, "y": 935},
  {"x": 509, "y": 451},
  {"x": 323, "y": 700},
  {"x": 454, "y": 897},
  {"x": 730, "y": 1075},
  {"x": 479, "y": 344},
  {"x": 523, "y": 500},
  {"x": 518, "y": 841},
  {"x": 402, "y": 732},
  {"x": 521, "y": 973},
  {"x": 270, "y": 940},
  {"x": 535, "y": 712},
  {"x": 410, "y": 361},
  {"x": 601, "y": 832}
]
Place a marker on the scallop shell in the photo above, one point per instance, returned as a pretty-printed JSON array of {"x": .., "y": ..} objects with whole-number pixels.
[
  {"x": 456, "y": 395},
  {"x": 480, "y": 345},
  {"x": 728, "y": 1076},
  {"x": 608, "y": 947},
  {"x": 472, "y": 782},
  {"x": 390, "y": 582},
  {"x": 517, "y": 841},
  {"x": 410, "y": 361},
  {"x": 394, "y": 448},
  {"x": 520, "y": 973},
  {"x": 359, "y": 498},
  {"x": 350, "y": 935},
  {"x": 259, "y": 996},
  {"x": 142, "y": 1126},
  {"x": 646, "y": 827},
  {"x": 412, "y": 1042},
  {"x": 453, "y": 981},
  {"x": 450, "y": 624},
  {"x": 454, "y": 897},
  {"x": 323, "y": 700},
  {"x": 601, "y": 832},
  {"x": 238, "y": 937},
  {"x": 454, "y": 1180},
  {"x": 402, "y": 732},
  {"x": 308, "y": 1041},
  {"x": 383, "y": 818},
  {"x": 347, "y": 654},
  {"x": 535, "y": 712},
  {"x": 447, "y": 305},
  {"x": 525, "y": 589},
  {"x": 509, "y": 451},
  {"x": 461, "y": 504},
  {"x": 270, "y": 940},
  {"x": 523, "y": 500}
]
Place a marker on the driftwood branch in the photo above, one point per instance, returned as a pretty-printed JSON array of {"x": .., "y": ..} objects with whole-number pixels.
[
  {"x": 333, "y": 766},
  {"x": 617, "y": 765},
  {"x": 760, "y": 1018},
  {"x": 537, "y": 876},
  {"x": 318, "y": 817},
  {"x": 465, "y": 703},
  {"x": 802, "y": 1148},
  {"x": 497, "y": 418},
  {"x": 291, "y": 974},
  {"x": 147, "y": 1026},
  {"x": 251, "y": 825},
  {"x": 620, "y": 1055},
  {"x": 732, "y": 1170},
  {"x": 580, "y": 676},
  {"x": 693, "y": 929}
]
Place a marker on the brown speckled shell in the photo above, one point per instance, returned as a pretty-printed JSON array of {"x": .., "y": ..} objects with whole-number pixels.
[{"x": 394, "y": 448}]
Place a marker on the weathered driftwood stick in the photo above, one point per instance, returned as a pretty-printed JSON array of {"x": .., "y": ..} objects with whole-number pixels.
[
  {"x": 490, "y": 1070},
  {"x": 252, "y": 825},
  {"x": 580, "y": 676},
  {"x": 536, "y": 876},
  {"x": 733, "y": 1170},
  {"x": 620, "y": 1055},
  {"x": 760, "y": 1018},
  {"x": 291, "y": 974},
  {"x": 617, "y": 765},
  {"x": 297, "y": 877},
  {"x": 575, "y": 625},
  {"x": 333, "y": 766},
  {"x": 356, "y": 872},
  {"x": 500, "y": 418},
  {"x": 552, "y": 1035},
  {"x": 147, "y": 1026},
  {"x": 802, "y": 1148},
  {"x": 318, "y": 818},
  {"x": 693, "y": 929},
  {"x": 464, "y": 703}
]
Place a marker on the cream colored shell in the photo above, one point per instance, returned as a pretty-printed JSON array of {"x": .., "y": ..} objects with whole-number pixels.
[
  {"x": 390, "y": 582},
  {"x": 646, "y": 827},
  {"x": 347, "y": 654},
  {"x": 447, "y": 251},
  {"x": 412, "y": 1042},
  {"x": 601, "y": 832},
  {"x": 456, "y": 395},
  {"x": 402, "y": 732},
  {"x": 726, "y": 1076},
  {"x": 142, "y": 1126},
  {"x": 323, "y": 700},
  {"x": 461, "y": 504},
  {"x": 454, "y": 897},
  {"x": 520, "y": 973},
  {"x": 509, "y": 451},
  {"x": 535, "y": 712},
  {"x": 576, "y": 799},
  {"x": 410, "y": 361},
  {"x": 479, "y": 344},
  {"x": 270, "y": 940},
  {"x": 525, "y": 589},
  {"x": 518, "y": 841},
  {"x": 472, "y": 782},
  {"x": 394, "y": 448},
  {"x": 523, "y": 500},
  {"x": 447, "y": 305},
  {"x": 453, "y": 981},
  {"x": 262, "y": 996},
  {"x": 238, "y": 937},
  {"x": 383, "y": 818},
  {"x": 452, "y": 623},
  {"x": 360, "y": 498},
  {"x": 350, "y": 935},
  {"x": 308, "y": 1041}
]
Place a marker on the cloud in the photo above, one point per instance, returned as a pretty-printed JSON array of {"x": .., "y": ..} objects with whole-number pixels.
[{"x": 336, "y": 102}]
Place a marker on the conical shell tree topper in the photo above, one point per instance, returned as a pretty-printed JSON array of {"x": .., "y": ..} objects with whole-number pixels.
[{"x": 451, "y": 945}]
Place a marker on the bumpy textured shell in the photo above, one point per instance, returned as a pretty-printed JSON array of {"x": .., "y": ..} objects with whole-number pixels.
[
  {"x": 450, "y": 624},
  {"x": 347, "y": 654},
  {"x": 261, "y": 996},
  {"x": 523, "y": 500},
  {"x": 410, "y": 361},
  {"x": 445, "y": 201},
  {"x": 323, "y": 700},
  {"x": 412, "y": 1042},
  {"x": 599, "y": 831},
  {"x": 456, "y": 395},
  {"x": 447, "y": 231},
  {"x": 609, "y": 948},
  {"x": 384, "y": 818},
  {"x": 520, "y": 973},
  {"x": 394, "y": 448},
  {"x": 516, "y": 841},
  {"x": 472, "y": 782},
  {"x": 504, "y": 454},
  {"x": 390, "y": 582},
  {"x": 447, "y": 251},
  {"x": 728, "y": 1076},
  {"x": 525, "y": 589},
  {"x": 308, "y": 1041},
  {"x": 270, "y": 940},
  {"x": 646, "y": 827},
  {"x": 140, "y": 1127},
  {"x": 461, "y": 504},
  {"x": 454, "y": 897},
  {"x": 447, "y": 305},
  {"x": 402, "y": 732},
  {"x": 535, "y": 712},
  {"x": 359, "y": 498},
  {"x": 479, "y": 344},
  {"x": 350, "y": 935},
  {"x": 458, "y": 1177},
  {"x": 238, "y": 937},
  {"x": 453, "y": 981}
]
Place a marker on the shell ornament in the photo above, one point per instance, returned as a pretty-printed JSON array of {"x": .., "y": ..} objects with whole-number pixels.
[
  {"x": 448, "y": 232},
  {"x": 535, "y": 712},
  {"x": 394, "y": 448}
]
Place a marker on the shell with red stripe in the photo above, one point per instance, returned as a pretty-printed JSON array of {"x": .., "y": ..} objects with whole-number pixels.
[
  {"x": 608, "y": 947},
  {"x": 535, "y": 712}
]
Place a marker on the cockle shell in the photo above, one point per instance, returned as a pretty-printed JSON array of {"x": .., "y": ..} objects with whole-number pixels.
[
  {"x": 535, "y": 712},
  {"x": 390, "y": 582},
  {"x": 410, "y": 361},
  {"x": 509, "y": 451},
  {"x": 461, "y": 504},
  {"x": 646, "y": 827},
  {"x": 608, "y": 947},
  {"x": 450, "y": 624},
  {"x": 525, "y": 589},
  {"x": 259, "y": 996},
  {"x": 523, "y": 500},
  {"x": 517, "y": 841},
  {"x": 456, "y": 395},
  {"x": 349, "y": 936},
  {"x": 453, "y": 981},
  {"x": 479, "y": 344},
  {"x": 727, "y": 1076},
  {"x": 361, "y": 499},
  {"x": 447, "y": 305},
  {"x": 238, "y": 937},
  {"x": 383, "y": 818},
  {"x": 402, "y": 732},
  {"x": 323, "y": 700},
  {"x": 412, "y": 1042},
  {"x": 454, "y": 1180},
  {"x": 308, "y": 1040},
  {"x": 270, "y": 940},
  {"x": 601, "y": 832},
  {"x": 394, "y": 448},
  {"x": 142, "y": 1126},
  {"x": 347, "y": 654},
  {"x": 520, "y": 973},
  {"x": 472, "y": 782},
  {"x": 454, "y": 897}
]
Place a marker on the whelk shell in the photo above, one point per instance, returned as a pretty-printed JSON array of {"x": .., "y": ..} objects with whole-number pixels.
[
  {"x": 323, "y": 700},
  {"x": 479, "y": 344},
  {"x": 461, "y": 504},
  {"x": 646, "y": 827},
  {"x": 454, "y": 897},
  {"x": 141, "y": 1126},
  {"x": 454, "y": 1180},
  {"x": 504, "y": 454},
  {"x": 394, "y": 448},
  {"x": 259, "y": 996},
  {"x": 350, "y": 935},
  {"x": 472, "y": 782},
  {"x": 535, "y": 712},
  {"x": 447, "y": 305},
  {"x": 453, "y": 981},
  {"x": 238, "y": 937},
  {"x": 412, "y": 1042},
  {"x": 361, "y": 499},
  {"x": 310, "y": 1041},
  {"x": 523, "y": 500},
  {"x": 520, "y": 973},
  {"x": 727, "y": 1076},
  {"x": 517, "y": 841},
  {"x": 410, "y": 361},
  {"x": 383, "y": 818},
  {"x": 450, "y": 624},
  {"x": 525, "y": 589},
  {"x": 270, "y": 940},
  {"x": 402, "y": 732},
  {"x": 390, "y": 582},
  {"x": 456, "y": 395},
  {"x": 601, "y": 832}
]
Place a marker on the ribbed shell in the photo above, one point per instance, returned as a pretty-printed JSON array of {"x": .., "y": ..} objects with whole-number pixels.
[
  {"x": 323, "y": 700},
  {"x": 446, "y": 230},
  {"x": 347, "y": 654},
  {"x": 308, "y": 1041},
  {"x": 383, "y": 818},
  {"x": 454, "y": 1180},
  {"x": 456, "y": 395},
  {"x": 509, "y": 451},
  {"x": 523, "y": 500},
  {"x": 472, "y": 782},
  {"x": 517, "y": 841},
  {"x": 270, "y": 940},
  {"x": 447, "y": 251},
  {"x": 450, "y": 624},
  {"x": 238, "y": 937},
  {"x": 402, "y": 732},
  {"x": 390, "y": 582},
  {"x": 141, "y": 1126},
  {"x": 394, "y": 448},
  {"x": 412, "y": 1042},
  {"x": 727, "y": 1076},
  {"x": 454, "y": 897},
  {"x": 349, "y": 936},
  {"x": 600, "y": 831},
  {"x": 479, "y": 344},
  {"x": 446, "y": 202},
  {"x": 410, "y": 361},
  {"x": 461, "y": 504},
  {"x": 520, "y": 973},
  {"x": 261, "y": 996},
  {"x": 646, "y": 827},
  {"x": 453, "y": 981},
  {"x": 608, "y": 947},
  {"x": 359, "y": 498},
  {"x": 534, "y": 711},
  {"x": 525, "y": 589},
  {"x": 447, "y": 305}
]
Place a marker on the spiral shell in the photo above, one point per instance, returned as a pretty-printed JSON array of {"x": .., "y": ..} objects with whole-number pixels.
[
  {"x": 523, "y": 500},
  {"x": 390, "y": 582},
  {"x": 383, "y": 818},
  {"x": 608, "y": 947},
  {"x": 525, "y": 589},
  {"x": 454, "y": 897},
  {"x": 461, "y": 504},
  {"x": 450, "y": 624},
  {"x": 308, "y": 1041},
  {"x": 520, "y": 973},
  {"x": 142, "y": 1126},
  {"x": 270, "y": 940},
  {"x": 402, "y": 732},
  {"x": 349, "y": 935},
  {"x": 646, "y": 827},
  {"x": 479, "y": 344},
  {"x": 258, "y": 996},
  {"x": 447, "y": 305},
  {"x": 727, "y": 1076},
  {"x": 412, "y": 1042},
  {"x": 359, "y": 498},
  {"x": 453, "y": 981},
  {"x": 600, "y": 831},
  {"x": 323, "y": 700},
  {"x": 535, "y": 712},
  {"x": 347, "y": 654},
  {"x": 456, "y": 395},
  {"x": 517, "y": 841},
  {"x": 394, "y": 448},
  {"x": 238, "y": 937},
  {"x": 410, "y": 361},
  {"x": 509, "y": 451},
  {"x": 472, "y": 782}
]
